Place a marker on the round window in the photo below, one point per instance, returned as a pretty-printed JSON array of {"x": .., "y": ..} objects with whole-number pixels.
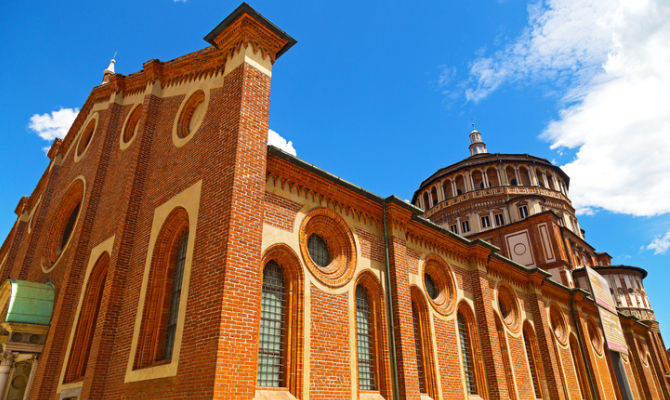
[
  {"x": 86, "y": 137},
  {"x": 318, "y": 250},
  {"x": 595, "y": 336},
  {"x": 430, "y": 286},
  {"x": 327, "y": 247},
  {"x": 63, "y": 223},
  {"x": 191, "y": 114},
  {"x": 558, "y": 324},
  {"x": 508, "y": 306},
  {"x": 131, "y": 124},
  {"x": 439, "y": 285}
]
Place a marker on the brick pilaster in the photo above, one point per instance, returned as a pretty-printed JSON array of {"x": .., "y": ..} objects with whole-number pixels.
[
  {"x": 482, "y": 288},
  {"x": 408, "y": 383}
]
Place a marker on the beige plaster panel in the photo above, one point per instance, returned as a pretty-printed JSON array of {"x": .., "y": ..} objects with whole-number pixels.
[
  {"x": 189, "y": 199},
  {"x": 105, "y": 247}
]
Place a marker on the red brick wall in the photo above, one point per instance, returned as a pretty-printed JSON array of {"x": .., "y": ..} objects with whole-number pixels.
[{"x": 330, "y": 373}]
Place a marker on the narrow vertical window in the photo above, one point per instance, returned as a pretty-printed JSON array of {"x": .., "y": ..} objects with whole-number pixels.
[
  {"x": 419, "y": 351},
  {"x": 532, "y": 362},
  {"x": 523, "y": 212},
  {"x": 365, "y": 341},
  {"x": 579, "y": 367},
  {"x": 178, "y": 276},
  {"x": 160, "y": 316},
  {"x": 466, "y": 354},
  {"x": 88, "y": 317},
  {"x": 272, "y": 345}
]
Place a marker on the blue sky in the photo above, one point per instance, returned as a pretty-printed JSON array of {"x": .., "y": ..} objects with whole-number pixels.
[{"x": 384, "y": 93}]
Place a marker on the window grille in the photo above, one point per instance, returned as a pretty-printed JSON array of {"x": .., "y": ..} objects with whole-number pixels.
[
  {"x": 419, "y": 351},
  {"x": 466, "y": 226},
  {"x": 500, "y": 219},
  {"x": 176, "y": 296},
  {"x": 271, "y": 347},
  {"x": 318, "y": 250},
  {"x": 430, "y": 286},
  {"x": 454, "y": 228},
  {"x": 486, "y": 222},
  {"x": 531, "y": 364},
  {"x": 466, "y": 353},
  {"x": 365, "y": 341}
]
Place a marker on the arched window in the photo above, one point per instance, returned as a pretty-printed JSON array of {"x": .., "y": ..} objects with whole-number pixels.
[
  {"x": 578, "y": 362},
  {"x": 477, "y": 180},
  {"x": 460, "y": 185},
  {"x": 492, "y": 176},
  {"x": 534, "y": 362},
  {"x": 433, "y": 195},
  {"x": 280, "y": 335},
  {"x": 502, "y": 339},
  {"x": 365, "y": 341},
  {"x": 272, "y": 342},
  {"x": 419, "y": 351},
  {"x": 469, "y": 351},
  {"x": 88, "y": 317},
  {"x": 550, "y": 180},
  {"x": 524, "y": 176},
  {"x": 370, "y": 335},
  {"x": 422, "y": 346},
  {"x": 446, "y": 187},
  {"x": 511, "y": 176},
  {"x": 426, "y": 204},
  {"x": 162, "y": 302}
]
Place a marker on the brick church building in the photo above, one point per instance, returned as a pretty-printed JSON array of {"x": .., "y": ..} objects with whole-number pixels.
[{"x": 168, "y": 253}]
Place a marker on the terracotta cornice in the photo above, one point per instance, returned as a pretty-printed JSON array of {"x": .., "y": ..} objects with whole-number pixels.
[
  {"x": 244, "y": 27},
  {"x": 287, "y": 176}
]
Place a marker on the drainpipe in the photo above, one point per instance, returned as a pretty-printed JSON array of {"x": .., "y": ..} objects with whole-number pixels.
[
  {"x": 389, "y": 309},
  {"x": 580, "y": 340}
]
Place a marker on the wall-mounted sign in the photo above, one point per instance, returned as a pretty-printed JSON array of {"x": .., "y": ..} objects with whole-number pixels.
[{"x": 609, "y": 318}]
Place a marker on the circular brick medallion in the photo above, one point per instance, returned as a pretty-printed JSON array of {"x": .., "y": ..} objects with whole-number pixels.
[
  {"x": 558, "y": 324},
  {"x": 130, "y": 126},
  {"x": 508, "y": 305},
  {"x": 596, "y": 337},
  {"x": 86, "y": 136},
  {"x": 63, "y": 224},
  {"x": 329, "y": 234},
  {"x": 439, "y": 285},
  {"x": 190, "y": 115}
]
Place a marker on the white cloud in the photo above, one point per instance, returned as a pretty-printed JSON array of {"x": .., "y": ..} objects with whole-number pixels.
[
  {"x": 276, "y": 140},
  {"x": 660, "y": 244},
  {"x": 611, "y": 59},
  {"x": 53, "y": 125}
]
